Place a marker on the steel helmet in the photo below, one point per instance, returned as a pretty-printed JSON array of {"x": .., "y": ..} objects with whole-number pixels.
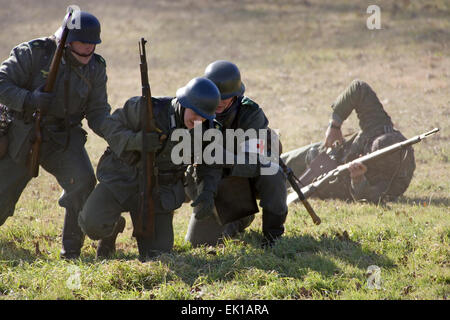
[
  {"x": 227, "y": 78},
  {"x": 83, "y": 27},
  {"x": 201, "y": 95}
]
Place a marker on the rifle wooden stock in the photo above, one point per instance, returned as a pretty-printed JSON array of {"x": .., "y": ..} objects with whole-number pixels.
[
  {"x": 293, "y": 181},
  {"x": 310, "y": 189},
  {"x": 311, "y": 212},
  {"x": 33, "y": 156},
  {"x": 144, "y": 222}
]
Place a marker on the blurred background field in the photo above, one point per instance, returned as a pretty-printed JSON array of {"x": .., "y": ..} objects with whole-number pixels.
[{"x": 295, "y": 57}]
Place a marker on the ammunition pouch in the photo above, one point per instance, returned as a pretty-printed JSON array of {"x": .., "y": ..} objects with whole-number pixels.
[
  {"x": 59, "y": 124},
  {"x": 5, "y": 119},
  {"x": 170, "y": 177},
  {"x": 3, "y": 146}
]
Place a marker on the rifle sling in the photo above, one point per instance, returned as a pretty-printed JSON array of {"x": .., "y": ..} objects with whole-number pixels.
[
  {"x": 397, "y": 170},
  {"x": 82, "y": 77}
]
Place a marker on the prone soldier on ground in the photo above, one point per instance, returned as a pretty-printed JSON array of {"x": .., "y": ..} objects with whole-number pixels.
[{"x": 384, "y": 178}]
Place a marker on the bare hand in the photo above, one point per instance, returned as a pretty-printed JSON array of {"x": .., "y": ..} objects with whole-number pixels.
[
  {"x": 332, "y": 135},
  {"x": 357, "y": 171}
]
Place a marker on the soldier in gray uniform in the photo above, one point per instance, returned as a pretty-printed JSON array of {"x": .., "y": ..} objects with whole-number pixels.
[
  {"x": 387, "y": 177},
  {"x": 119, "y": 168},
  {"x": 80, "y": 92},
  {"x": 237, "y": 111}
]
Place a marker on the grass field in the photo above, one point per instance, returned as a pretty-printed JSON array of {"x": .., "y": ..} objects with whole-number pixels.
[{"x": 295, "y": 58}]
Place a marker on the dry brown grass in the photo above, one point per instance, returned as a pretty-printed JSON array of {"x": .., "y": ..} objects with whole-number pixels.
[{"x": 295, "y": 56}]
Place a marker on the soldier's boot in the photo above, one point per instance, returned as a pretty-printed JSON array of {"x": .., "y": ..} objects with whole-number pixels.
[
  {"x": 161, "y": 242},
  {"x": 273, "y": 227},
  {"x": 206, "y": 231},
  {"x": 232, "y": 229},
  {"x": 145, "y": 249},
  {"x": 72, "y": 237},
  {"x": 272, "y": 193},
  {"x": 107, "y": 246}
]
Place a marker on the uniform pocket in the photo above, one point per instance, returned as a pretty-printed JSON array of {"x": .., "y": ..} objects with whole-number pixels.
[
  {"x": 171, "y": 196},
  {"x": 19, "y": 135}
]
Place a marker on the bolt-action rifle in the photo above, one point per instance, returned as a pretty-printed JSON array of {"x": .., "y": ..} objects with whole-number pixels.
[
  {"x": 33, "y": 156},
  {"x": 144, "y": 222}
]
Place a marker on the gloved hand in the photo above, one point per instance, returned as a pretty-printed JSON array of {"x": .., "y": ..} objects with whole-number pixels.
[
  {"x": 37, "y": 99},
  {"x": 205, "y": 201},
  {"x": 153, "y": 142}
]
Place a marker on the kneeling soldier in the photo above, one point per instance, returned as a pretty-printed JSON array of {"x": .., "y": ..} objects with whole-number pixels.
[
  {"x": 237, "y": 111},
  {"x": 119, "y": 168}
]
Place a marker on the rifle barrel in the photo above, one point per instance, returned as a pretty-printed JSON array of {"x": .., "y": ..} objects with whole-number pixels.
[{"x": 392, "y": 148}]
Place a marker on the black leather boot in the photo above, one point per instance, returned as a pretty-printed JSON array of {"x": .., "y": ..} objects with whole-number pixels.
[
  {"x": 273, "y": 227},
  {"x": 161, "y": 242},
  {"x": 107, "y": 246},
  {"x": 72, "y": 237}
]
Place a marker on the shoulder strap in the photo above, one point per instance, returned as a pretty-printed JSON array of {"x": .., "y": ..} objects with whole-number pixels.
[
  {"x": 83, "y": 77},
  {"x": 100, "y": 59}
]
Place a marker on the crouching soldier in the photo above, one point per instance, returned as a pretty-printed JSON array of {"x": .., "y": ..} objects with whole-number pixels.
[
  {"x": 119, "y": 169},
  {"x": 241, "y": 183}
]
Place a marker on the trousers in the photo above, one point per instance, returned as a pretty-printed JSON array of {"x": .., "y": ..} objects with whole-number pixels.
[
  {"x": 73, "y": 171},
  {"x": 102, "y": 210},
  {"x": 270, "y": 190}
]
